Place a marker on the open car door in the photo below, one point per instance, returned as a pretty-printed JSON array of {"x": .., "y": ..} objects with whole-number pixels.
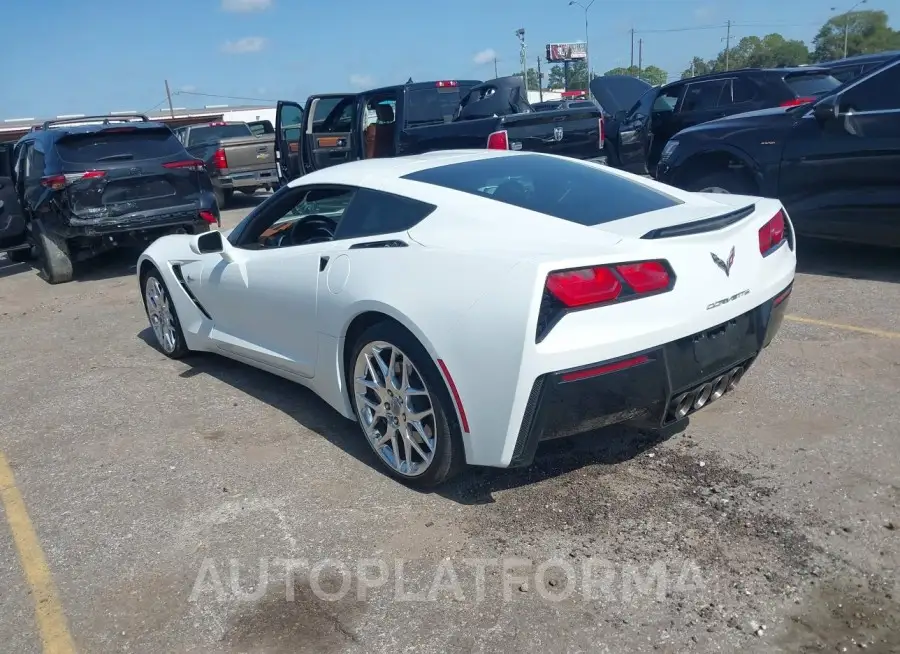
[
  {"x": 630, "y": 102},
  {"x": 332, "y": 131},
  {"x": 288, "y": 130},
  {"x": 13, "y": 234}
]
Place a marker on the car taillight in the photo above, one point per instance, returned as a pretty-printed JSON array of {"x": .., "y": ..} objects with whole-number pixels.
[
  {"x": 190, "y": 164},
  {"x": 498, "y": 141},
  {"x": 209, "y": 217},
  {"x": 771, "y": 235},
  {"x": 796, "y": 102},
  {"x": 446, "y": 84},
  {"x": 603, "y": 284},
  {"x": 219, "y": 159},
  {"x": 59, "y": 182},
  {"x": 219, "y": 124}
]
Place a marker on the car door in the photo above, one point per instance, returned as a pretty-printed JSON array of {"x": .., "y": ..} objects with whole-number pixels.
[
  {"x": 261, "y": 290},
  {"x": 839, "y": 175},
  {"x": 288, "y": 130},
  {"x": 623, "y": 97},
  {"x": 332, "y": 131}
]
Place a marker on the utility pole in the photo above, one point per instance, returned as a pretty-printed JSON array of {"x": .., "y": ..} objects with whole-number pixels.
[
  {"x": 727, "y": 44},
  {"x": 640, "y": 56},
  {"x": 496, "y": 74},
  {"x": 631, "y": 66},
  {"x": 169, "y": 98},
  {"x": 540, "y": 81},
  {"x": 523, "y": 57}
]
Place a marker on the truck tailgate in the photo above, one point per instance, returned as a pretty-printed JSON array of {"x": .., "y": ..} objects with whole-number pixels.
[
  {"x": 569, "y": 132},
  {"x": 249, "y": 154}
]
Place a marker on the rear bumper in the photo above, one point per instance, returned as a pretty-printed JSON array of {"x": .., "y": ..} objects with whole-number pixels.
[
  {"x": 649, "y": 388},
  {"x": 244, "y": 180}
]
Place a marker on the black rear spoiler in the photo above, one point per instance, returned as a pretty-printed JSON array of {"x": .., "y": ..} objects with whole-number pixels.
[
  {"x": 105, "y": 119},
  {"x": 702, "y": 226}
]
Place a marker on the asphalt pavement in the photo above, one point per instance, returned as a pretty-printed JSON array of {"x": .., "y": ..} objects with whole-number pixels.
[{"x": 167, "y": 506}]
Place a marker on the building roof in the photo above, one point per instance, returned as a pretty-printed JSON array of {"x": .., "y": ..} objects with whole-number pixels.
[{"x": 11, "y": 128}]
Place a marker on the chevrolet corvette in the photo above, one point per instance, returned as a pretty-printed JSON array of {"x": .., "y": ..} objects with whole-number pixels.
[{"x": 463, "y": 306}]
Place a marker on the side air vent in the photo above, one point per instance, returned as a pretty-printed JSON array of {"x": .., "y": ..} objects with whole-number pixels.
[
  {"x": 702, "y": 226},
  {"x": 180, "y": 277}
]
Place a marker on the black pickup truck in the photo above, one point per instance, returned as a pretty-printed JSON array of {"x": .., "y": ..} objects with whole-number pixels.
[{"x": 421, "y": 117}]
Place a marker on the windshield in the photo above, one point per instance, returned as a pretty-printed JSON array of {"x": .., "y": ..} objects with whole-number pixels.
[
  {"x": 217, "y": 132},
  {"x": 806, "y": 86},
  {"x": 565, "y": 189}
]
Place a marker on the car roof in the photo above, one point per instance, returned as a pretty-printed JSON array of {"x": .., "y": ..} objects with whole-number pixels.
[
  {"x": 746, "y": 71},
  {"x": 55, "y": 133},
  {"x": 355, "y": 173},
  {"x": 862, "y": 58}
]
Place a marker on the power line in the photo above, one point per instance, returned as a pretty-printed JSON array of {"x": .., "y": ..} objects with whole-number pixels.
[
  {"x": 224, "y": 97},
  {"x": 722, "y": 26}
]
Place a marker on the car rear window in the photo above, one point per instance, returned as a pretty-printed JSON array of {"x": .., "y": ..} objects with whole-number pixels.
[
  {"x": 216, "y": 132},
  {"x": 806, "y": 85},
  {"x": 431, "y": 106},
  {"x": 118, "y": 144},
  {"x": 558, "y": 187}
]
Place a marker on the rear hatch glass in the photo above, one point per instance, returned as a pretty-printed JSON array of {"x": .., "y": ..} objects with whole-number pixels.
[
  {"x": 805, "y": 85},
  {"x": 129, "y": 171},
  {"x": 210, "y": 133},
  {"x": 564, "y": 189},
  {"x": 432, "y": 106}
]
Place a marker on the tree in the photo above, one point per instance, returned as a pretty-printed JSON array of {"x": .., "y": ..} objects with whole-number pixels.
[
  {"x": 865, "y": 32},
  {"x": 531, "y": 79},
  {"x": 578, "y": 75},
  {"x": 770, "y": 51},
  {"x": 651, "y": 74}
]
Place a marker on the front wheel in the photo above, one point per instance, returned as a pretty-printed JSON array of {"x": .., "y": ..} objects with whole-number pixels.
[
  {"x": 162, "y": 316},
  {"x": 403, "y": 407},
  {"x": 729, "y": 182}
]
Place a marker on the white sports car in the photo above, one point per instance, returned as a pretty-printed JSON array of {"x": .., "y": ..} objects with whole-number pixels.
[{"x": 464, "y": 305}]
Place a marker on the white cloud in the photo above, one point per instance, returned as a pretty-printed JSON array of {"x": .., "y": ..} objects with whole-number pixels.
[
  {"x": 245, "y": 6},
  {"x": 244, "y": 45},
  {"x": 188, "y": 88},
  {"x": 704, "y": 12},
  {"x": 362, "y": 81},
  {"x": 485, "y": 56}
]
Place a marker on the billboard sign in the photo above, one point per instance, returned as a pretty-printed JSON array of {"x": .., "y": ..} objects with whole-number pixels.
[{"x": 566, "y": 52}]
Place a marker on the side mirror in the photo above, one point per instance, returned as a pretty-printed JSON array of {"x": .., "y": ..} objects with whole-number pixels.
[
  {"x": 827, "y": 109},
  {"x": 207, "y": 243}
]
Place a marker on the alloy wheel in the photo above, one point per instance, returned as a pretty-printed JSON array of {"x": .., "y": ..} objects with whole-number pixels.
[
  {"x": 160, "y": 314},
  {"x": 394, "y": 408}
]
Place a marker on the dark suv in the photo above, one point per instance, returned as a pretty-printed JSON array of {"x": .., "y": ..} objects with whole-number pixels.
[
  {"x": 83, "y": 186},
  {"x": 646, "y": 117}
]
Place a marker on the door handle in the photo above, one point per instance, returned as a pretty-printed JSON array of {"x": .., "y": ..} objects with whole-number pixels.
[{"x": 323, "y": 263}]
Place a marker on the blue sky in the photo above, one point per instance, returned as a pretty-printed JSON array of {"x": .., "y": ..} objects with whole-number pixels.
[{"x": 96, "y": 56}]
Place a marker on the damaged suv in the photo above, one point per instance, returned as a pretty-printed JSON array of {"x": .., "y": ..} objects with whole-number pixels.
[{"x": 91, "y": 184}]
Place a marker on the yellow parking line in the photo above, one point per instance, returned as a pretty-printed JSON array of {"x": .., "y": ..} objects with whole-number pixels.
[
  {"x": 54, "y": 630},
  {"x": 847, "y": 328}
]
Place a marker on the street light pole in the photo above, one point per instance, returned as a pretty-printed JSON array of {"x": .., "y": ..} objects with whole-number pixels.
[
  {"x": 847, "y": 23},
  {"x": 587, "y": 41}
]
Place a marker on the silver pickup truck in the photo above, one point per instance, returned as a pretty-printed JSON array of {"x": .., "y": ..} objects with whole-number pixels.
[{"x": 234, "y": 157}]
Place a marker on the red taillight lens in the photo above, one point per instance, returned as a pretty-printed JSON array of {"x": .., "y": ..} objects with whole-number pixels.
[
  {"x": 577, "y": 288},
  {"x": 498, "y": 141},
  {"x": 209, "y": 217},
  {"x": 219, "y": 159},
  {"x": 796, "y": 102},
  {"x": 446, "y": 84},
  {"x": 219, "y": 124},
  {"x": 645, "y": 277},
  {"x": 771, "y": 235},
  {"x": 94, "y": 174},
  {"x": 54, "y": 182},
  {"x": 190, "y": 164},
  {"x": 602, "y": 284}
]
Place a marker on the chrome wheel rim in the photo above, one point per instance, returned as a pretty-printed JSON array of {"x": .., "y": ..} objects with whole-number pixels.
[
  {"x": 160, "y": 313},
  {"x": 715, "y": 189},
  {"x": 394, "y": 408}
]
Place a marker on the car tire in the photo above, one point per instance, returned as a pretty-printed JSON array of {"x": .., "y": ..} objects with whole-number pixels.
[
  {"x": 162, "y": 315},
  {"x": 731, "y": 182},
  {"x": 54, "y": 258},
  {"x": 447, "y": 453}
]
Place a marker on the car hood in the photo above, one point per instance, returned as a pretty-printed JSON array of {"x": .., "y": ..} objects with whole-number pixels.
[{"x": 773, "y": 117}]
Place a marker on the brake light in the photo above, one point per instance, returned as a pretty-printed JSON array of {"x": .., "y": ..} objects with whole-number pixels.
[
  {"x": 796, "y": 102},
  {"x": 54, "y": 182},
  {"x": 595, "y": 371},
  {"x": 446, "y": 84},
  {"x": 771, "y": 235},
  {"x": 498, "y": 141},
  {"x": 603, "y": 284},
  {"x": 59, "y": 182},
  {"x": 190, "y": 164},
  {"x": 220, "y": 161},
  {"x": 209, "y": 217},
  {"x": 219, "y": 124},
  {"x": 119, "y": 130}
]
